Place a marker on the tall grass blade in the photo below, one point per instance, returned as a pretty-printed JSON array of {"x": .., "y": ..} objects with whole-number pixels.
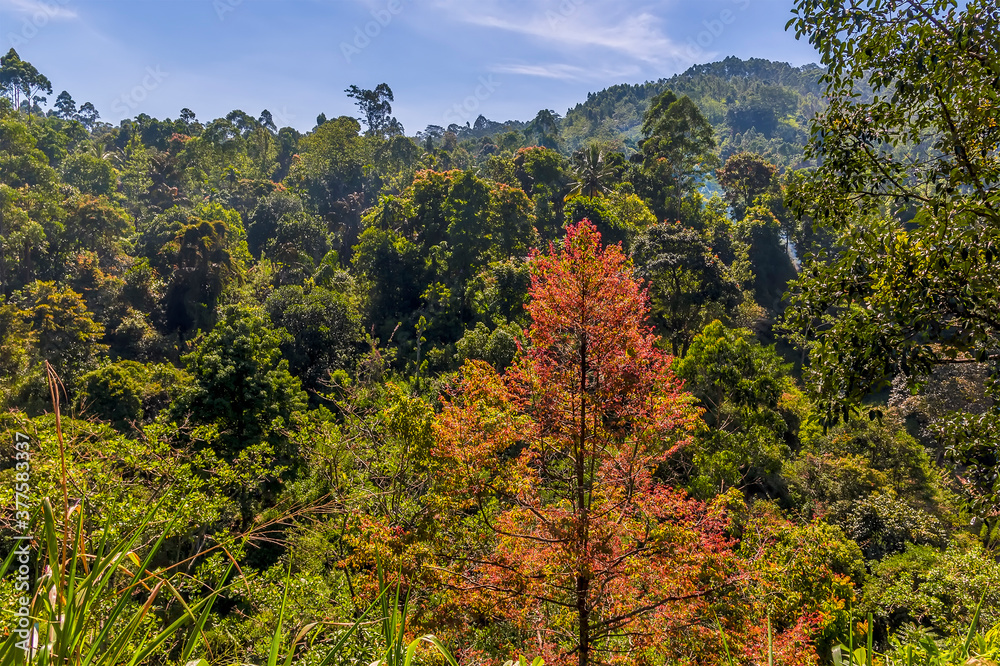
[
  {"x": 870, "y": 655},
  {"x": 722, "y": 633},
  {"x": 770, "y": 644},
  {"x": 350, "y": 631},
  {"x": 973, "y": 627},
  {"x": 272, "y": 657}
]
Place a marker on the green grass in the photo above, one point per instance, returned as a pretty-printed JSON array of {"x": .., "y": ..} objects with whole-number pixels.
[{"x": 976, "y": 649}]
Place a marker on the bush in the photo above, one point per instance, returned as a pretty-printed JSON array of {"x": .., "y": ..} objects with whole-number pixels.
[
  {"x": 935, "y": 590},
  {"x": 124, "y": 393},
  {"x": 883, "y": 525}
]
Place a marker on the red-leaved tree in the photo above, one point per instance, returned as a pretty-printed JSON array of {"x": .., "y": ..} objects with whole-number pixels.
[{"x": 553, "y": 467}]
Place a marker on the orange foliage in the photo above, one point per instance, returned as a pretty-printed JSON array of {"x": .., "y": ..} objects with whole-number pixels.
[{"x": 555, "y": 462}]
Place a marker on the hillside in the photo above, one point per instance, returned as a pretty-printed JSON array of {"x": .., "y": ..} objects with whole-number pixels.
[{"x": 755, "y": 105}]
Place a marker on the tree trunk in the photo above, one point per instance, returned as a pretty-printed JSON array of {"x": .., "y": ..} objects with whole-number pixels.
[
  {"x": 583, "y": 576},
  {"x": 3, "y": 255},
  {"x": 583, "y": 613}
]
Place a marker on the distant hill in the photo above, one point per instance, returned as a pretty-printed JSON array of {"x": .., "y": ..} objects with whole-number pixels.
[{"x": 753, "y": 104}]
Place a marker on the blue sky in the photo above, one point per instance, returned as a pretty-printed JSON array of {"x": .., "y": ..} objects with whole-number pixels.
[{"x": 445, "y": 60}]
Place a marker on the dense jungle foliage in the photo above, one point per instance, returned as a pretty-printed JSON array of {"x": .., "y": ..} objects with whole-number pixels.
[{"x": 701, "y": 373}]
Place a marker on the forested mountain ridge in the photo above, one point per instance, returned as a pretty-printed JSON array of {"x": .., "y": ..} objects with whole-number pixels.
[
  {"x": 276, "y": 396},
  {"x": 754, "y": 105}
]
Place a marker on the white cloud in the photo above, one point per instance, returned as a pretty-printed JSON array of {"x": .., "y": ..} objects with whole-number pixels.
[
  {"x": 577, "y": 25},
  {"x": 37, "y": 9},
  {"x": 565, "y": 72}
]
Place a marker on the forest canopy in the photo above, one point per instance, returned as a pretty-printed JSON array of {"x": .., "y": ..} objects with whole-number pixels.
[{"x": 702, "y": 372}]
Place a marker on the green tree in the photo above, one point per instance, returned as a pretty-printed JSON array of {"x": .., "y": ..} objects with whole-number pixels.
[
  {"x": 468, "y": 232},
  {"x": 324, "y": 328},
  {"x": 906, "y": 296},
  {"x": 497, "y": 347},
  {"x": 619, "y": 217},
  {"x": 689, "y": 286},
  {"x": 299, "y": 243},
  {"x": 542, "y": 175},
  {"x": 65, "y": 107},
  {"x": 925, "y": 586},
  {"x": 262, "y": 224},
  {"x": 377, "y": 111},
  {"x": 60, "y": 330},
  {"x": 539, "y": 166},
  {"x": 126, "y": 393},
  {"x": 20, "y": 80},
  {"x": 591, "y": 173},
  {"x": 873, "y": 456},
  {"x": 630, "y": 211},
  {"x": 772, "y": 266},
  {"x": 17, "y": 341},
  {"x": 498, "y": 294},
  {"x": 94, "y": 223},
  {"x": 90, "y": 174},
  {"x": 330, "y": 170},
  {"x": 545, "y": 128},
  {"x": 882, "y": 525},
  {"x": 675, "y": 131},
  {"x": 907, "y": 292},
  {"x": 740, "y": 383},
  {"x": 595, "y": 210},
  {"x": 241, "y": 382},
  {"x": 393, "y": 270},
  {"x": 31, "y": 213},
  {"x": 87, "y": 115},
  {"x": 743, "y": 177},
  {"x": 425, "y": 222},
  {"x": 200, "y": 252},
  {"x": 804, "y": 574},
  {"x": 512, "y": 223}
]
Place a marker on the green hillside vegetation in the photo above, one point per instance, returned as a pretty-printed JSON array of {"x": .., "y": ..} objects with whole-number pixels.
[{"x": 754, "y": 106}]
